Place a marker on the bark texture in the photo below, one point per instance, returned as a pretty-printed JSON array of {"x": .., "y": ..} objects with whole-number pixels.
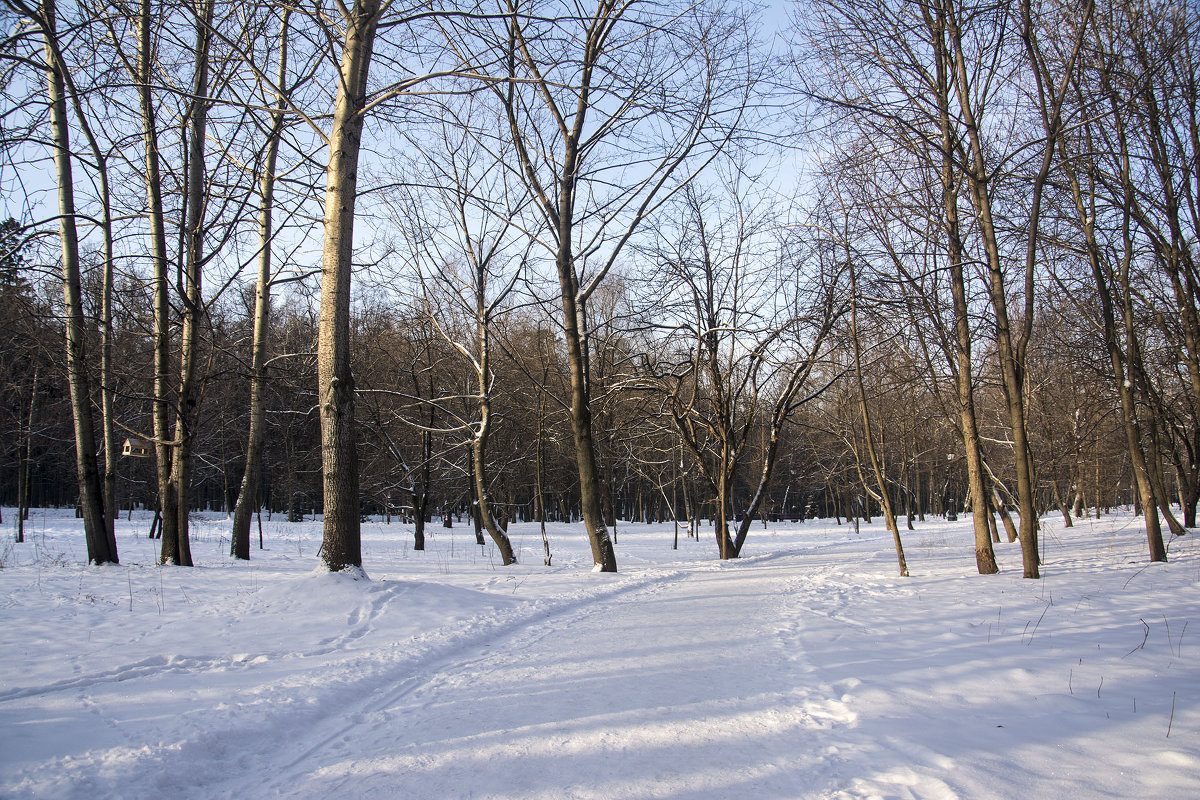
[{"x": 341, "y": 546}]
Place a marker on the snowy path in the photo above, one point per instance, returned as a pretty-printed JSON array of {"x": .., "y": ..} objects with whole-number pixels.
[
  {"x": 659, "y": 691},
  {"x": 807, "y": 670}
]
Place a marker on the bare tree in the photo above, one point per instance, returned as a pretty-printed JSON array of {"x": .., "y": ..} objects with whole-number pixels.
[
  {"x": 883, "y": 495},
  {"x": 341, "y": 546},
  {"x": 1146, "y": 58},
  {"x": 946, "y": 81},
  {"x": 248, "y": 493},
  {"x": 745, "y": 328},
  {"x": 359, "y": 25},
  {"x": 884, "y": 74},
  {"x": 458, "y": 225},
  {"x": 1114, "y": 306},
  {"x": 101, "y": 546},
  {"x": 610, "y": 108}
]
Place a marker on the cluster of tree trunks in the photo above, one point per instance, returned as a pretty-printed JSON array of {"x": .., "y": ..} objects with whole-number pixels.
[{"x": 585, "y": 297}]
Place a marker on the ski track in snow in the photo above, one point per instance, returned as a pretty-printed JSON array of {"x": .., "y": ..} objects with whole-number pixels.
[
  {"x": 807, "y": 669},
  {"x": 610, "y": 719},
  {"x": 370, "y": 719}
]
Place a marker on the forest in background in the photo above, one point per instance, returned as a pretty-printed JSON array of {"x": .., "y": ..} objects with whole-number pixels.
[{"x": 613, "y": 261}]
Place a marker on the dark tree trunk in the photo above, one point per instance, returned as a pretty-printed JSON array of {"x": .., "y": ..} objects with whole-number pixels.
[
  {"x": 985, "y": 557},
  {"x": 248, "y": 499},
  {"x": 91, "y": 494},
  {"x": 178, "y": 549}
]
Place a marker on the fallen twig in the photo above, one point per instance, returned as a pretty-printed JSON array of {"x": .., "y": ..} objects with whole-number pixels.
[{"x": 1144, "y": 638}]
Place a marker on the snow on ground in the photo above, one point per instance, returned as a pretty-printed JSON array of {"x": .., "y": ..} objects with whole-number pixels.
[{"x": 807, "y": 669}]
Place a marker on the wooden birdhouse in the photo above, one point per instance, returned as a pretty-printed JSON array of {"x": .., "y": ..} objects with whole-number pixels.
[{"x": 138, "y": 448}]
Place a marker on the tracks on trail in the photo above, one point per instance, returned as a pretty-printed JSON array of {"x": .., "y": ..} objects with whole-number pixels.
[
  {"x": 675, "y": 681},
  {"x": 460, "y": 653},
  {"x": 657, "y": 687},
  {"x": 386, "y": 680}
]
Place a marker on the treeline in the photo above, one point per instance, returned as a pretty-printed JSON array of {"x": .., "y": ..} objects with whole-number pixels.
[
  {"x": 576, "y": 290},
  {"x": 416, "y": 410}
]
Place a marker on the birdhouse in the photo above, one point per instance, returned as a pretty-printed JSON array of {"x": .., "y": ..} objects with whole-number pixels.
[{"x": 138, "y": 448}]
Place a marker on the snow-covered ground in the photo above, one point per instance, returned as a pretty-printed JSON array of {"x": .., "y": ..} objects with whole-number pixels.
[{"x": 807, "y": 669}]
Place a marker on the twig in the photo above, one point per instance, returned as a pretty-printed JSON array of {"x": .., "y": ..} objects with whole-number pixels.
[
  {"x": 1134, "y": 575},
  {"x": 1144, "y": 638},
  {"x": 1172, "y": 720},
  {"x": 1035, "y": 627}
]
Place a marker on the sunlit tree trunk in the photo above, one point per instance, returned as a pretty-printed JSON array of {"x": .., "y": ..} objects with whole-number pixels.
[
  {"x": 341, "y": 546},
  {"x": 1011, "y": 368},
  {"x": 160, "y": 412},
  {"x": 483, "y": 379}
]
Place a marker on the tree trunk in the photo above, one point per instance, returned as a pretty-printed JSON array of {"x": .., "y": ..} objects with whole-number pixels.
[
  {"x": 540, "y": 467},
  {"x": 107, "y": 375},
  {"x": 883, "y": 496},
  {"x": 420, "y": 492},
  {"x": 922, "y": 491},
  {"x": 419, "y": 508},
  {"x": 341, "y": 546},
  {"x": 993, "y": 529},
  {"x": 166, "y": 517},
  {"x": 1154, "y": 449},
  {"x": 985, "y": 557},
  {"x": 1062, "y": 504},
  {"x": 757, "y": 504},
  {"x": 108, "y": 434},
  {"x": 482, "y": 501},
  {"x": 1012, "y": 368},
  {"x": 689, "y": 509},
  {"x": 1189, "y": 497},
  {"x": 1002, "y": 511},
  {"x": 91, "y": 496},
  {"x": 590, "y": 492},
  {"x": 721, "y": 514},
  {"x": 248, "y": 493},
  {"x": 561, "y": 211},
  {"x": 23, "y": 469},
  {"x": 1116, "y": 358},
  {"x": 178, "y": 550},
  {"x": 483, "y": 380}
]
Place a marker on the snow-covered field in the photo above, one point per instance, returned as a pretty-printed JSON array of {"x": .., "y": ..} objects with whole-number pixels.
[{"x": 807, "y": 669}]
